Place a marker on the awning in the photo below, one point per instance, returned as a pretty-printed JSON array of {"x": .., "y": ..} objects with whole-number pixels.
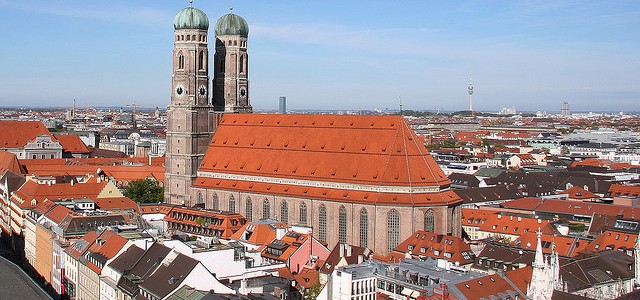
[{"x": 407, "y": 291}]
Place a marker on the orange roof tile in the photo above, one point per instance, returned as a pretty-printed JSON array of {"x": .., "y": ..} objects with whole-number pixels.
[
  {"x": 60, "y": 191},
  {"x": 58, "y": 213},
  {"x": 256, "y": 233},
  {"x": 577, "y": 192},
  {"x": 378, "y": 150},
  {"x": 624, "y": 190},
  {"x": 487, "y": 287},
  {"x": 72, "y": 143},
  {"x": 611, "y": 239},
  {"x": 9, "y": 162},
  {"x": 572, "y": 207},
  {"x": 565, "y": 246},
  {"x": 119, "y": 173},
  {"x": 403, "y": 199},
  {"x": 116, "y": 203},
  {"x": 493, "y": 221},
  {"x": 521, "y": 277},
  {"x": 428, "y": 244},
  {"x": 16, "y": 134},
  {"x": 105, "y": 246}
]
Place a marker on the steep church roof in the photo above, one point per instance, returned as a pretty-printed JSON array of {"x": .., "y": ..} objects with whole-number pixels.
[{"x": 373, "y": 157}]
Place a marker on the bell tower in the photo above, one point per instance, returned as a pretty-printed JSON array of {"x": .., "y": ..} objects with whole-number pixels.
[
  {"x": 190, "y": 114},
  {"x": 231, "y": 61}
]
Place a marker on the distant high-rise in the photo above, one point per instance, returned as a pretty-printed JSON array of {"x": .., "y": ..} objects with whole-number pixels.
[
  {"x": 564, "y": 109},
  {"x": 470, "y": 94},
  {"x": 282, "y": 108}
]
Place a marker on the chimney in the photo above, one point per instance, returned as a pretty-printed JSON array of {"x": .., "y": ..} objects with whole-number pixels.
[
  {"x": 539, "y": 221},
  {"x": 519, "y": 219},
  {"x": 72, "y": 181},
  {"x": 360, "y": 258},
  {"x": 499, "y": 216},
  {"x": 348, "y": 248},
  {"x": 510, "y": 218},
  {"x": 342, "y": 250}
]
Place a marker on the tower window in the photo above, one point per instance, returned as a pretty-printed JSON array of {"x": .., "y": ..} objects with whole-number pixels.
[
  {"x": 235, "y": 43},
  {"x": 201, "y": 61},
  {"x": 188, "y": 37},
  {"x": 193, "y": 37},
  {"x": 242, "y": 64},
  {"x": 180, "y": 61}
]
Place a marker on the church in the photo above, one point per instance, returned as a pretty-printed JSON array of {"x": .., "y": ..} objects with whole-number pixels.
[{"x": 363, "y": 180}]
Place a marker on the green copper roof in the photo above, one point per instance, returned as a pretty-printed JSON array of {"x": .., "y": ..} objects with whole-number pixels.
[
  {"x": 191, "y": 18},
  {"x": 232, "y": 24}
]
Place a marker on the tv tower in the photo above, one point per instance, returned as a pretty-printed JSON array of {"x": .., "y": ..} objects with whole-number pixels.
[{"x": 470, "y": 94}]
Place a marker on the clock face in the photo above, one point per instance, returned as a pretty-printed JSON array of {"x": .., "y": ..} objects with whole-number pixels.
[
  {"x": 179, "y": 90},
  {"x": 202, "y": 91},
  {"x": 243, "y": 91}
]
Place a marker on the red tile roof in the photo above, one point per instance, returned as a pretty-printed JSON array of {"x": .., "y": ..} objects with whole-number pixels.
[
  {"x": 565, "y": 246},
  {"x": 116, "y": 203},
  {"x": 58, "y": 213},
  {"x": 487, "y": 287},
  {"x": 428, "y": 244},
  {"x": 614, "y": 240},
  {"x": 152, "y": 208},
  {"x": 578, "y": 193},
  {"x": 371, "y": 150},
  {"x": 119, "y": 173},
  {"x": 403, "y": 199},
  {"x": 60, "y": 191},
  {"x": 624, "y": 190},
  {"x": 572, "y": 208},
  {"x": 9, "y": 162},
  {"x": 72, "y": 143},
  {"x": 16, "y": 134},
  {"x": 494, "y": 222},
  {"x": 256, "y": 233},
  {"x": 105, "y": 247}
]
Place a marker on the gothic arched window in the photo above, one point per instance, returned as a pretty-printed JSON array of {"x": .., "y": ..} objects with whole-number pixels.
[
  {"x": 364, "y": 228},
  {"x": 455, "y": 220},
  {"x": 429, "y": 221},
  {"x": 266, "y": 209},
  {"x": 216, "y": 202},
  {"x": 232, "y": 204},
  {"x": 322, "y": 223},
  {"x": 200, "y": 199},
  {"x": 342, "y": 225},
  {"x": 284, "y": 212},
  {"x": 393, "y": 229},
  {"x": 303, "y": 214},
  {"x": 241, "y": 63},
  {"x": 180, "y": 61},
  {"x": 201, "y": 60},
  {"x": 249, "y": 210}
]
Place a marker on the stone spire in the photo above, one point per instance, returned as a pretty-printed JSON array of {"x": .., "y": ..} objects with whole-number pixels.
[{"x": 541, "y": 276}]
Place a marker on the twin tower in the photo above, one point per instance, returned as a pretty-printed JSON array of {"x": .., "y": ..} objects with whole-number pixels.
[{"x": 195, "y": 111}]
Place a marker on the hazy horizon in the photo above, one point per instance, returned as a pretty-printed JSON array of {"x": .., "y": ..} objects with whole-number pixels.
[{"x": 334, "y": 55}]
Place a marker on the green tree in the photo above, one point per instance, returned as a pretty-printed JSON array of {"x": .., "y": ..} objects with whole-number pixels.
[{"x": 144, "y": 191}]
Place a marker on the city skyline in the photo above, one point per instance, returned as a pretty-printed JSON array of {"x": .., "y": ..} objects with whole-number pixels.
[{"x": 356, "y": 55}]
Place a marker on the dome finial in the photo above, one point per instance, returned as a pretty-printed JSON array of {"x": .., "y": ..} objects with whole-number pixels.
[
  {"x": 231, "y": 9},
  {"x": 190, "y": 3}
]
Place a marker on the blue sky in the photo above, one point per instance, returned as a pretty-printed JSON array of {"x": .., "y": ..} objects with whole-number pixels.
[{"x": 335, "y": 54}]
